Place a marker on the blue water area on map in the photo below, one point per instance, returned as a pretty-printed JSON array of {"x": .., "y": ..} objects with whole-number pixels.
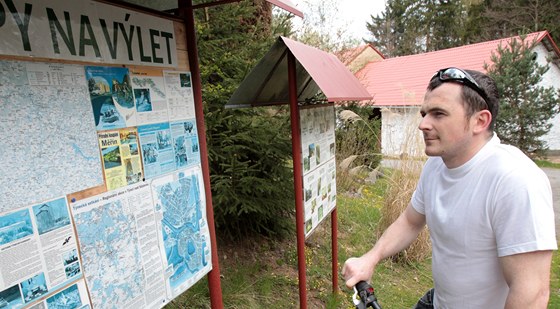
[{"x": 184, "y": 244}]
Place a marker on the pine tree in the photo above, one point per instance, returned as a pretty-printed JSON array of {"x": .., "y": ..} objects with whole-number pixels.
[
  {"x": 496, "y": 19},
  {"x": 414, "y": 26},
  {"x": 252, "y": 186},
  {"x": 526, "y": 108}
]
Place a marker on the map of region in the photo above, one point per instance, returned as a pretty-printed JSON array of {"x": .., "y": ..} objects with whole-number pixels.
[
  {"x": 112, "y": 260},
  {"x": 48, "y": 143},
  {"x": 184, "y": 228}
]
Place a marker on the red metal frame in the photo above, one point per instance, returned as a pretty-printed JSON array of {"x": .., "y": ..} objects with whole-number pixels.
[
  {"x": 214, "y": 283},
  {"x": 298, "y": 179},
  {"x": 298, "y": 193},
  {"x": 334, "y": 249}
]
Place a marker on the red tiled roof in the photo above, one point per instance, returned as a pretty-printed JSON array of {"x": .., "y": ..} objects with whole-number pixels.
[
  {"x": 403, "y": 80},
  {"x": 348, "y": 55}
]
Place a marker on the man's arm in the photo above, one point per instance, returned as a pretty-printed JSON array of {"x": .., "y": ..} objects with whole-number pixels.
[
  {"x": 398, "y": 236},
  {"x": 528, "y": 278}
]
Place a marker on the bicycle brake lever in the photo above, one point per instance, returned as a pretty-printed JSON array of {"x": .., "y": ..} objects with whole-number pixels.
[{"x": 357, "y": 301}]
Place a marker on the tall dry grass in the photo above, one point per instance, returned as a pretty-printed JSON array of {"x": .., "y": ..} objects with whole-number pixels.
[
  {"x": 357, "y": 151},
  {"x": 401, "y": 175},
  {"x": 402, "y": 182}
]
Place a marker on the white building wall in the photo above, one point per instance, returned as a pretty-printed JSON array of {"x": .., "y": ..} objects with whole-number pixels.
[
  {"x": 550, "y": 79},
  {"x": 399, "y": 126},
  {"x": 400, "y": 135}
]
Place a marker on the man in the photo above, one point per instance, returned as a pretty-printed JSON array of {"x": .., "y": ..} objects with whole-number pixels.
[{"x": 488, "y": 207}]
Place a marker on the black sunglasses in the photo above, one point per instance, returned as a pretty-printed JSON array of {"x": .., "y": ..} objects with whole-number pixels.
[{"x": 460, "y": 76}]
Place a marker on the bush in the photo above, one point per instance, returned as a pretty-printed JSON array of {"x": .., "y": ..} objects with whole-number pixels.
[
  {"x": 251, "y": 175},
  {"x": 357, "y": 147}
]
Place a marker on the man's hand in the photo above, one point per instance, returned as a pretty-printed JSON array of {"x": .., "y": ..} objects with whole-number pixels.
[{"x": 357, "y": 269}]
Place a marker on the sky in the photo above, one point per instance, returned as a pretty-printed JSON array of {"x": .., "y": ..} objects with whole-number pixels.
[
  {"x": 357, "y": 12},
  {"x": 351, "y": 14}
]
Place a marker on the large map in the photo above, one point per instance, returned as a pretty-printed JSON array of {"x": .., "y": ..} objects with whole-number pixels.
[
  {"x": 113, "y": 268},
  {"x": 180, "y": 198},
  {"x": 48, "y": 143},
  {"x": 118, "y": 243}
]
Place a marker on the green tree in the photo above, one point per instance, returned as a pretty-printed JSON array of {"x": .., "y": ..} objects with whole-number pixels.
[
  {"x": 414, "y": 26},
  {"x": 496, "y": 19},
  {"x": 526, "y": 107},
  {"x": 317, "y": 29},
  {"x": 249, "y": 149}
]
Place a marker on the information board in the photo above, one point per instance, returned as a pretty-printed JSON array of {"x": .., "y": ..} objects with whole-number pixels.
[
  {"x": 103, "y": 198},
  {"x": 317, "y": 125}
]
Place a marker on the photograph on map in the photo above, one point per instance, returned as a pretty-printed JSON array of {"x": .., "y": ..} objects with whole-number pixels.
[
  {"x": 70, "y": 257},
  {"x": 111, "y": 96},
  {"x": 67, "y": 298},
  {"x": 306, "y": 164},
  {"x": 149, "y": 153},
  {"x": 10, "y": 297},
  {"x": 51, "y": 215},
  {"x": 143, "y": 101},
  {"x": 185, "y": 79},
  {"x": 308, "y": 225},
  {"x": 14, "y": 226},
  {"x": 34, "y": 287},
  {"x": 111, "y": 157},
  {"x": 72, "y": 270}
]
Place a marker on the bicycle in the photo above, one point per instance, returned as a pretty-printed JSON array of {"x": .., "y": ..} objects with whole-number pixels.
[{"x": 364, "y": 296}]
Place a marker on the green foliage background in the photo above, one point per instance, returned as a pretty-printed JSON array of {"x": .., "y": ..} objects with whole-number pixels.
[
  {"x": 249, "y": 149},
  {"x": 526, "y": 107},
  {"x": 415, "y": 26}
]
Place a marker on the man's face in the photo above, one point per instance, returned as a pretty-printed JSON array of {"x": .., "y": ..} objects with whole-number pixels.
[{"x": 447, "y": 132}]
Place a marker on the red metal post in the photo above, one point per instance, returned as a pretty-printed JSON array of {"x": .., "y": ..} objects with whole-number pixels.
[
  {"x": 214, "y": 283},
  {"x": 298, "y": 179},
  {"x": 334, "y": 243}
]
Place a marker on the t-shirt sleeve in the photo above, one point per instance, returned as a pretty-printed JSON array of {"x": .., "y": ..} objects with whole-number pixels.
[
  {"x": 417, "y": 199},
  {"x": 522, "y": 213}
]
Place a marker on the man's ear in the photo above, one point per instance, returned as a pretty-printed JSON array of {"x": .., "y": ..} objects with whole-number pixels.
[{"x": 482, "y": 120}]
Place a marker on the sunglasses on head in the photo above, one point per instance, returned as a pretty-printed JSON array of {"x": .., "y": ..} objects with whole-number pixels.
[{"x": 460, "y": 76}]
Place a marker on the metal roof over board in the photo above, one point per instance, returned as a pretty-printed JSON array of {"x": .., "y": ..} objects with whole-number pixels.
[{"x": 316, "y": 72}]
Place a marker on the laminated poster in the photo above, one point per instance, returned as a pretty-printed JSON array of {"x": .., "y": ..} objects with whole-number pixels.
[
  {"x": 317, "y": 125},
  {"x": 157, "y": 149},
  {"x": 122, "y": 164},
  {"x": 40, "y": 260},
  {"x": 185, "y": 143},
  {"x": 150, "y": 100},
  {"x": 180, "y": 97},
  {"x": 111, "y": 97}
]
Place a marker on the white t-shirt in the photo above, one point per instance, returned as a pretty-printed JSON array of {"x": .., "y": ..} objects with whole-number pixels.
[{"x": 499, "y": 203}]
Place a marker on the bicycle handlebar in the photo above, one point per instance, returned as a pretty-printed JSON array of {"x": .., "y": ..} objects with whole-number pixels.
[{"x": 364, "y": 296}]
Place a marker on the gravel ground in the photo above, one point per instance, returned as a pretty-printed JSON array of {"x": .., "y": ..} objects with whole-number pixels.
[{"x": 554, "y": 177}]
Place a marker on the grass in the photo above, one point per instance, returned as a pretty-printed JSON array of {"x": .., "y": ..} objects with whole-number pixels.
[
  {"x": 262, "y": 273},
  {"x": 545, "y": 163}
]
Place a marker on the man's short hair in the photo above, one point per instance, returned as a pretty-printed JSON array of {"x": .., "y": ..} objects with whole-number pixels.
[{"x": 472, "y": 101}]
